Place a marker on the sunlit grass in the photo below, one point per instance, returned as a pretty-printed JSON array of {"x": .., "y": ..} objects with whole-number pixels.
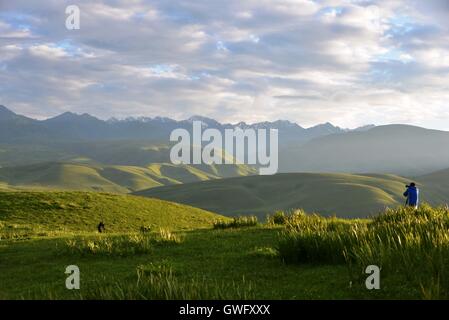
[
  {"x": 237, "y": 222},
  {"x": 413, "y": 243}
]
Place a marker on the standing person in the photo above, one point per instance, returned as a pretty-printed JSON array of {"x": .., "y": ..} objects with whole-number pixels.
[
  {"x": 412, "y": 194},
  {"x": 101, "y": 227}
]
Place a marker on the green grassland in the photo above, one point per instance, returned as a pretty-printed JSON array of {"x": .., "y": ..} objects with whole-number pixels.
[
  {"x": 23, "y": 212},
  {"x": 35, "y": 268},
  {"x": 344, "y": 195},
  {"x": 295, "y": 256},
  {"x": 435, "y": 187},
  {"x": 111, "y": 178},
  {"x": 117, "y": 166},
  {"x": 114, "y": 152}
]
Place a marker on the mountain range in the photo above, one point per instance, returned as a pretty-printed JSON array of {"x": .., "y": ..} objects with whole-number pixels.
[
  {"x": 396, "y": 149},
  {"x": 325, "y": 169},
  {"x": 73, "y": 127}
]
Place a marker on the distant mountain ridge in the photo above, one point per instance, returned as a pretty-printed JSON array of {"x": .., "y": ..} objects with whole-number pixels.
[
  {"x": 72, "y": 126},
  {"x": 398, "y": 149}
]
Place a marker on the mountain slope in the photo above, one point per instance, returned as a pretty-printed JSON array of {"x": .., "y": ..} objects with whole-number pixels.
[
  {"x": 398, "y": 149},
  {"x": 14, "y": 127},
  {"x": 436, "y": 184},
  {"x": 345, "y": 195},
  {"x": 82, "y": 211},
  {"x": 110, "y": 178}
]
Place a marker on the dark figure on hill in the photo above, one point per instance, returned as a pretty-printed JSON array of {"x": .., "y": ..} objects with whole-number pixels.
[
  {"x": 412, "y": 194},
  {"x": 101, "y": 227}
]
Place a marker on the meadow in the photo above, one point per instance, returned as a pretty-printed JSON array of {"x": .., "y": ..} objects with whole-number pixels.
[
  {"x": 292, "y": 255},
  {"x": 341, "y": 194}
]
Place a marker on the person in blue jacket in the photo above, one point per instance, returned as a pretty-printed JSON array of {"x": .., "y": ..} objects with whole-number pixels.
[{"x": 412, "y": 194}]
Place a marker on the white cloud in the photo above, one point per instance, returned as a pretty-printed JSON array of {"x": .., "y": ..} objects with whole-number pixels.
[
  {"x": 9, "y": 32},
  {"x": 48, "y": 51},
  {"x": 434, "y": 57},
  {"x": 405, "y": 57}
]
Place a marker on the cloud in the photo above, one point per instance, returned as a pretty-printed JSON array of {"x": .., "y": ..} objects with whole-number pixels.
[
  {"x": 46, "y": 51},
  {"x": 348, "y": 62},
  {"x": 9, "y": 32}
]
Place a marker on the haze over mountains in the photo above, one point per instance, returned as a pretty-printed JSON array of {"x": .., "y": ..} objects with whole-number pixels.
[{"x": 397, "y": 149}]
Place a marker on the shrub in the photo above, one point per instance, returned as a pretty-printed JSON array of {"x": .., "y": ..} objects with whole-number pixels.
[
  {"x": 237, "y": 222},
  {"x": 278, "y": 218},
  {"x": 290, "y": 218}
]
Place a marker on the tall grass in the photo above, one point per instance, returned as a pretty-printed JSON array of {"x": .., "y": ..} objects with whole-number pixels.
[
  {"x": 107, "y": 245},
  {"x": 237, "y": 222},
  {"x": 165, "y": 236},
  {"x": 121, "y": 245},
  {"x": 278, "y": 218},
  {"x": 409, "y": 243},
  {"x": 161, "y": 283},
  {"x": 13, "y": 231},
  {"x": 315, "y": 239}
]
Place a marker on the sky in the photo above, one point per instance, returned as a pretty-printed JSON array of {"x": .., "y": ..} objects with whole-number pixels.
[{"x": 350, "y": 63}]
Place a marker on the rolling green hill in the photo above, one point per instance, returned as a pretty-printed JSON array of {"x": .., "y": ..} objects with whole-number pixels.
[
  {"x": 435, "y": 187},
  {"x": 111, "y": 178},
  {"x": 4, "y": 186},
  {"x": 82, "y": 211},
  {"x": 345, "y": 195}
]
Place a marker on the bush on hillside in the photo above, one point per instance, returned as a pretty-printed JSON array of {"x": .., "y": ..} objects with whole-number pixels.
[{"x": 278, "y": 218}]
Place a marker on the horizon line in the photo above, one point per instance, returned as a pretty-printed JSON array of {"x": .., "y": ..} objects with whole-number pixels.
[{"x": 136, "y": 118}]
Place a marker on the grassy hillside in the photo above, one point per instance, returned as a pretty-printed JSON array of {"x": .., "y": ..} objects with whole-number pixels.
[
  {"x": 300, "y": 257},
  {"x": 122, "y": 152},
  {"x": 435, "y": 187},
  {"x": 82, "y": 211},
  {"x": 345, "y": 195},
  {"x": 111, "y": 178},
  {"x": 4, "y": 186}
]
